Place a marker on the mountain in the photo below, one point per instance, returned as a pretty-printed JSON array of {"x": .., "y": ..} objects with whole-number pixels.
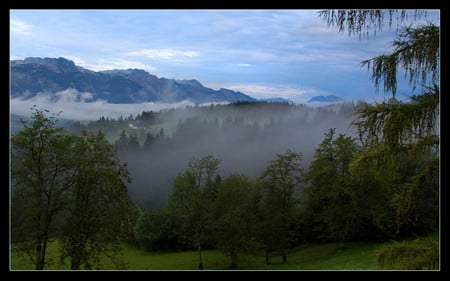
[
  {"x": 279, "y": 100},
  {"x": 51, "y": 75},
  {"x": 326, "y": 99}
]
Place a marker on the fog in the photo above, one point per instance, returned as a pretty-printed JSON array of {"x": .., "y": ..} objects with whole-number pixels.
[
  {"x": 75, "y": 105},
  {"x": 243, "y": 137}
]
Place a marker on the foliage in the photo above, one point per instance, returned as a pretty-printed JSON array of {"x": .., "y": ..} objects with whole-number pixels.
[
  {"x": 402, "y": 126},
  {"x": 403, "y": 136},
  {"x": 361, "y": 22},
  {"x": 416, "y": 50},
  {"x": 191, "y": 203},
  {"x": 180, "y": 206},
  {"x": 419, "y": 254},
  {"x": 96, "y": 217},
  {"x": 154, "y": 231},
  {"x": 417, "y": 201},
  {"x": 237, "y": 227},
  {"x": 41, "y": 168},
  {"x": 279, "y": 181},
  {"x": 336, "y": 205},
  {"x": 69, "y": 187}
]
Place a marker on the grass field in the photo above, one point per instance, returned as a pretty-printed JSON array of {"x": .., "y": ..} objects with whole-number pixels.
[{"x": 355, "y": 256}]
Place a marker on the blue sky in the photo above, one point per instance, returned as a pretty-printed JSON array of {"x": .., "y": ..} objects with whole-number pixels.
[{"x": 263, "y": 53}]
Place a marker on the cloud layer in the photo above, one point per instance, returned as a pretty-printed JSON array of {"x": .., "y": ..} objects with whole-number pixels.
[{"x": 75, "y": 105}]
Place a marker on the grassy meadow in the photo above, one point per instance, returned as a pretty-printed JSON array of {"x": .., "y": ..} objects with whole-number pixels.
[
  {"x": 356, "y": 256},
  {"x": 328, "y": 256}
]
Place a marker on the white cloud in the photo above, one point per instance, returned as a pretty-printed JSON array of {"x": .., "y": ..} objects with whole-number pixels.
[
  {"x": 71, "y": 95},
  {"x": 163, "y": 53},
  {"x": 19, "y": 27},
  {"x": 13, "y": 57},
  {"x": 108, "y": 64},
  {"x": 243, "y": 64},
  {"x": 73, "y": 106}
]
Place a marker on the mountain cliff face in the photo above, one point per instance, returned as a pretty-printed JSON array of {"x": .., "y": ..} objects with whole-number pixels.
[{"x": 51, "y": 75}]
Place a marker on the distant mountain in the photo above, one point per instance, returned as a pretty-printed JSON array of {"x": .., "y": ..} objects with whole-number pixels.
[
  {"x": 280, "y": 100},
  {"x": 51, "y": 75},
  {"x": 325, "y": 99}
]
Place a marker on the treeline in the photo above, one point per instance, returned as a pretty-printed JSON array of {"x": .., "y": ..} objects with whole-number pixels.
[{"x": 254, "y": 113}]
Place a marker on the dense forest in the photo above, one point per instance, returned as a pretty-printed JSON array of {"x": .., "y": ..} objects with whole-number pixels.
[{"x": 259, "y": 178}]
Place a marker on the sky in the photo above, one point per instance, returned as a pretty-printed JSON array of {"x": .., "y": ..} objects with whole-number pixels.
[{"x": 263, "y": 53}]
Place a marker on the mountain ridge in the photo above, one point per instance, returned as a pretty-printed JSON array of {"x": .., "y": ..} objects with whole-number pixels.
[{"x": 35, "y": 75}]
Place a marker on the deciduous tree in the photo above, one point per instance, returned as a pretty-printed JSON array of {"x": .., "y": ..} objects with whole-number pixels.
[
  {"x": 193, "y": 198},
  {"x": 279, "y": 180}
]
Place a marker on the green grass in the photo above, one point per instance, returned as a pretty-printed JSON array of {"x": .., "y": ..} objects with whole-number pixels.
[
  {"x": 355, "y": 256},
  {"x": 311, "y": 257}
]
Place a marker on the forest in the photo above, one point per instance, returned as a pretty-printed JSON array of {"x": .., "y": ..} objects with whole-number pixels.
[
  {"x": 158, "y": 145},
  {"x": 244, "y": 178}
]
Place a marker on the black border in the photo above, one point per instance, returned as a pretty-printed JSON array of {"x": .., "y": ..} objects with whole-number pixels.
[{"x": 135, "y": 4}]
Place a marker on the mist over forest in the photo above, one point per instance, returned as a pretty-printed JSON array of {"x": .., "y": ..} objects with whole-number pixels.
[{"x": 244, "y": 136}]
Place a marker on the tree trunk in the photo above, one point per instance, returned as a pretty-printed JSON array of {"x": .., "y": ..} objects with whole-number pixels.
[
  {"x": 267, "y": 257},
  {"x": 75, "y": 264},
  {"x": 40, "y": 262},
  {"x": 342, "y": 240},
  {"x": 75, "y": 260},
  {"x": 200, "y": 262},
  {"x": 284, "y": 237},
  {"x": 341, "y": 244},
  {"x": 234, "y": 260},
  {"x": 40, "y": 255}
]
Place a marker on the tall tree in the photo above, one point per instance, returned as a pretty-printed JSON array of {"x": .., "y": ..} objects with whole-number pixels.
[
  {"x": 41, "y": 168},
  {"x": 280, "y": 179},
  {"x": 98, "y": 215},
  {"x": 193, "y": 199},
  {"x": 237, "y": 207}
]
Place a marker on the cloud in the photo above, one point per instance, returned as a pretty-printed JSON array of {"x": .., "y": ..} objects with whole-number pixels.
[
  {"x": 71, "y": 95},
  {"x": 108, "y": 64},
  {"x": 261, "y": 91},
  {"x": 74, "y": 105},
  {"x": 163, "y": 53},
  {"x": 243, "y": 64},
  {"x": 19, "y": 27}
]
